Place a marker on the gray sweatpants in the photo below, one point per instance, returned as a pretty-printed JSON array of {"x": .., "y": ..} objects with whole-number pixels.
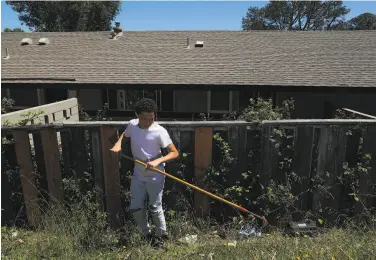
[{"x": 154, "y": 190}]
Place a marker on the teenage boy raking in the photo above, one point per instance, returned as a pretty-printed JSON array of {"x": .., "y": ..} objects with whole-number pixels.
[{"x": 147, "y": 138}]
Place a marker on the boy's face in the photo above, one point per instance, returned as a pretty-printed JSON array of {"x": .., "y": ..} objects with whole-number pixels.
[{"x": 146, "y": 119}]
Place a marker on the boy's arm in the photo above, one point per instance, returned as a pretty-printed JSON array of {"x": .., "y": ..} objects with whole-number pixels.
[
  {"x": 165, "y": 142},
  {"x": 173, "y": 153},
  {"x": 117, "y": 146}
]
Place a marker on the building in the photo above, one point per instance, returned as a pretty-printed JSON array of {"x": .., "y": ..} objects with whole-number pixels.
[{"x": 192, "y": 72}]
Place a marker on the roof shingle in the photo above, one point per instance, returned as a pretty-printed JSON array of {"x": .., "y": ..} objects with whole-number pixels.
[{"x": 278, "y": 58}]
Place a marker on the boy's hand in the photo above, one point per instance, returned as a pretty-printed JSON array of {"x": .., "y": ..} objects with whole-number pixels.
[
  {"x": 116, "y": 148},
  {"x": 152, "y": 164}
]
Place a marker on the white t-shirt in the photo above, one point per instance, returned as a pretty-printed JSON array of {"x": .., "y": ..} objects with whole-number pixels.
[{"x": 146, "y": 146}]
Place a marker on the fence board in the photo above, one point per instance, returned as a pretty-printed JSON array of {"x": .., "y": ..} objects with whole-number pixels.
[
  {"x": 98, "y": 166},
  {"x": 41, "y": 167},
  {"x": 7, "y": 215},
  {"x": 337, "y": 158},
  {"x": 367, "y": 180},
  {"x": 302, "y": 165},
  {"x": 332, "y": 150},
  {"x": 321, "y": 163},
  {"x": 352, "y": 149},
  {"x": 66, "y": 150},
  {"x": 203, "y": 160},
  {"x": 52, "y": 163},
  {"x": 27, "y": 176},
  {"x": 111, "y": 175},
  {"x": 269, "y": 156},
  {"x": 80, "y": 164}
]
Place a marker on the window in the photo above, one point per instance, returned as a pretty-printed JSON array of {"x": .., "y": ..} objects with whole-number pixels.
[
  {"x": 25, "y": 97},
  {"x": 125, "y": 99},
  {"x": 220, "y": 101}
]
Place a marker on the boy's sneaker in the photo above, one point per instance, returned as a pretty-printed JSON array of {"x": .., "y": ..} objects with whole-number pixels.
[
  {"x": 160, "y": 242},
  {"x": 149, "y": 238}
]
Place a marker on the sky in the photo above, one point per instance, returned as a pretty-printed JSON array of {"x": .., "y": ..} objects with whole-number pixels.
[{"x": 179, "y": 15}]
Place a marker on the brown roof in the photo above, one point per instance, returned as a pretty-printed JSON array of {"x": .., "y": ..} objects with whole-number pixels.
[{"x": 342, "y": 58}]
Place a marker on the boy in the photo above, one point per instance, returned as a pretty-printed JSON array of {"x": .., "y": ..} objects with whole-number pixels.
[{"x": 147, "y": 138}]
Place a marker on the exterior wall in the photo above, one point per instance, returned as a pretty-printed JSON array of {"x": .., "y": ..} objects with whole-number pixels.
[
  {"x": 312, "y": 104},
  {"x": 66, "y": 110},
  {"x": 90, "y": 99}
]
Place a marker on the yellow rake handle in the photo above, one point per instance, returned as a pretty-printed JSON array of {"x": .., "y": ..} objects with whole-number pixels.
[{"x": 197, "y": 188}]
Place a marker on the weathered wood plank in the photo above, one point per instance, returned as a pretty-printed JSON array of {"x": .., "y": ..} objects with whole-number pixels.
[
  {"x": 80, "y": 163},
  {"x": 303, "y": 148},
  {"x": 269, "y": 156},
  {"x": 41, "y": 167},
  {"x": 173, "y": 166},
  {"x": 237, "y": 136},
  {"x": 52, "y": 163},
  {"x": 233, "y": 141},
  {"x": 66, "y": 150},
  {"x": 330, "y": 167},
  {"x": 111, "y": 176},
  {"x": 367, "y": 180},
  {"x": 98, "y": 166},
  {"x": 27, "y": 176},
  {"x": 203, "y": 160},
  {"x": 242, "y": 149},
  {"x": 352, "y": 149},
  {"x": 7, "y": 214}
]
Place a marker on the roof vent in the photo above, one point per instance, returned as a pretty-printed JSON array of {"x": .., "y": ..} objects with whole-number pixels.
[
  {"x": 43, "y": 41},
  {"x": 117, "y": 31},
  {"x": 199, "y": 44},
  {"x": 6, "y": 54},
  {"x": 26, "y": 41}
]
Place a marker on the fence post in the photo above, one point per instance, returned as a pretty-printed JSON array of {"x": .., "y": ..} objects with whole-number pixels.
[
  {"x": 111, "y": 175},
  {"x": 27, "y": 176},
  {"x": 203, "y": 160}
]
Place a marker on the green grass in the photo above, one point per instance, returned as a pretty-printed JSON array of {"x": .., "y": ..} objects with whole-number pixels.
[
  {"x": 57, "y": 243},
  {"x": 79, "y": 231}
]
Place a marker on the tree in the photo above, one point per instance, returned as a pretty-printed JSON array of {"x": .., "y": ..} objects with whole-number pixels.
[
  {"x": 366, "y": 21},
  {"x": 295, "y": 15},
  {"x": 66, "y": 16},
  {"x": 255, "y": 19},
  {"x": 14, "y": 30}
]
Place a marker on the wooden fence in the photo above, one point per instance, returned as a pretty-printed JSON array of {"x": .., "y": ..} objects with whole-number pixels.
[{"x": 319, "y": 146}]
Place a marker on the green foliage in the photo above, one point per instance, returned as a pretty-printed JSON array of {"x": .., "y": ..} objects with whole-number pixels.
[
  {"x": 365, "y": 21},
  {"x": 295, "y": 15},
  {"x": 6, "y": 105},
  {"x": 13, "y": 30},
  {"x": 262, "y": 109},
  {"x": 69, "y": 16},
  {"x": 101, "y": 115}
]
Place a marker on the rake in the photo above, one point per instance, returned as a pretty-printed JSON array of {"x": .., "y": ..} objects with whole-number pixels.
[{"x": 264, "y": 221}]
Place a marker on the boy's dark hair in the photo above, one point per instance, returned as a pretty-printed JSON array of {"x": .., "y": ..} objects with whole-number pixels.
[{"x": 146, "y": 105}]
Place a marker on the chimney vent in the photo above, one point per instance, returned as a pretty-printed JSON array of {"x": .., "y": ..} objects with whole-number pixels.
[
  {"x": 199, "y": 44},
  {"x": 117, "y": 31},
  {"x": 44, "y": 41},
  {"x": 26, "y": 41}
]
